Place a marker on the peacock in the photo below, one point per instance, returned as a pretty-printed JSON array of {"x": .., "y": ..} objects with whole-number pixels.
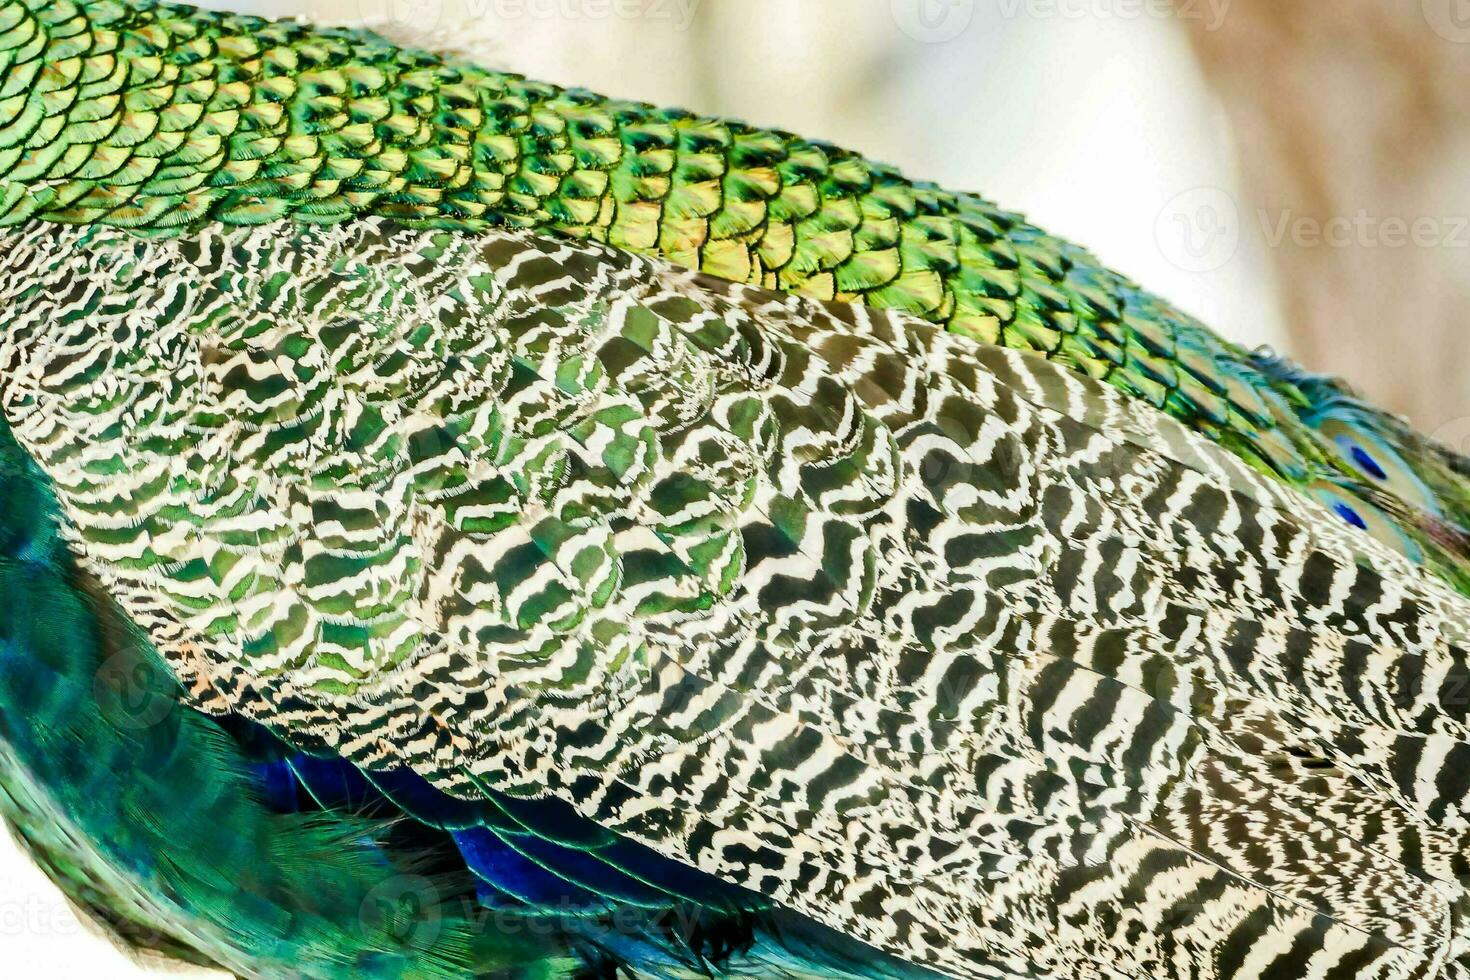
[{"x": 454, "y": 526}]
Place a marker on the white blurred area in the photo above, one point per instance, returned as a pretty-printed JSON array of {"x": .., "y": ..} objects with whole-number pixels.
[
  {"x": 1090, "y": 123},
  {"x": 41, "y": 935}
]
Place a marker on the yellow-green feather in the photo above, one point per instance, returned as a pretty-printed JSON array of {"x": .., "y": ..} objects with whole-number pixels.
[{"x": 163, "y": 118}]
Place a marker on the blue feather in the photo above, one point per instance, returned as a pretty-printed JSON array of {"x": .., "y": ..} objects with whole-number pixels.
[{"x": 621, "y": 906}]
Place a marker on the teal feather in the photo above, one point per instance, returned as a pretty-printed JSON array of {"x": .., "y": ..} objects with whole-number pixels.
[
  {"x": 127, "y": 795},
  {"x": 146, "y": 810},
  {"x": 221, "y": 842}
]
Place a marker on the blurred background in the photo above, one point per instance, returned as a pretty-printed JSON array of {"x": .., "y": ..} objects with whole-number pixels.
[{"x": 1295, "y": 173}]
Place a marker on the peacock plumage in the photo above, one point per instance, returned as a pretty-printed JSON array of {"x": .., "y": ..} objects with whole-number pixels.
[{"x": 453, "y": 526}]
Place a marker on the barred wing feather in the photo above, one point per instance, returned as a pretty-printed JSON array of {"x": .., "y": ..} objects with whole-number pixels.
[{"x": 952, "y": 650}]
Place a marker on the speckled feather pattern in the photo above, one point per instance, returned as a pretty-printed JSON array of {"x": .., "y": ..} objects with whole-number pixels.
[
  {"x": 164, "y": 119},
  {"x": 708, "y": 479},
  {"x": 942, "y": 645}
]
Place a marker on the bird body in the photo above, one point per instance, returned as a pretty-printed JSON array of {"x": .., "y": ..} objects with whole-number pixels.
[{"x": 461, "y": 527}]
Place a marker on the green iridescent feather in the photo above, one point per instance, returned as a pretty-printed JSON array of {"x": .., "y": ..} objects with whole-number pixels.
[
  {"x": 155, "y": 821},
  {"x": 162, "y": 118},
  {"x": 166, "y": 121},
  {"x": 142, "y": 808}
]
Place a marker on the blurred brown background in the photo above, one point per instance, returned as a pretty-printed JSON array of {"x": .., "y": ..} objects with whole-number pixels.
[{"x": 1359, "y": 111}]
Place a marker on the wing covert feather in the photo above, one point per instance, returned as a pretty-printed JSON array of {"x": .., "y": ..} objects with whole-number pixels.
[{"x": 937, "y": 643}]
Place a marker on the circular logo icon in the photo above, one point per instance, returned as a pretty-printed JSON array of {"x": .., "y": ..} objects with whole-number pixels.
[
  {"x": 1199, "y": 230},
  {"x": 933, "y": 21},
  {"x": 129, "y": 693},
  {"x": 947, "y": 463},
  {"x": 1454, "y": 434},
  {"x": 1450, "y": 19},
  {"x": 406, "y": 22},
  {"x": 406, "y": 908}
]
